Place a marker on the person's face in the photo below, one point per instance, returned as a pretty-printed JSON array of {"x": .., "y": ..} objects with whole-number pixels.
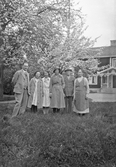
[
  {"x": 68, "y": 73},
  {"x": 80, "y": 73},
  {"x": 57, "y": 71},
  {"x": 37, "y": 75},
  {"x": 63, "y": 73},
  {"x": 72, "y": 73},
  {"x": 46, "y": 74},
  {"x": 25, "y": 66}
]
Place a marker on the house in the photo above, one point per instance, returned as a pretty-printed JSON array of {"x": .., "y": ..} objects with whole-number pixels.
[{"x": 105, "y": 80}]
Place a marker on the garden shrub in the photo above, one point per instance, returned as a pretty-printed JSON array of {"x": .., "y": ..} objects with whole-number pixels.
[{"x": 7, "y": 81}]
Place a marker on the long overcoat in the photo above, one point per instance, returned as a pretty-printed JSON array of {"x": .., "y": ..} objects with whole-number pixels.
[
  {"x": 46, "y": 97},
  {"x": 56, "y": 89},
  {"x": 39, "y": 93}
]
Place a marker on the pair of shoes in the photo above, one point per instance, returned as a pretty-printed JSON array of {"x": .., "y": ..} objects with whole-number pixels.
[
  {"x": 56, "y": 110},
  {"x": 83, "y": 114},
  {"x": 34, "y": 109}
]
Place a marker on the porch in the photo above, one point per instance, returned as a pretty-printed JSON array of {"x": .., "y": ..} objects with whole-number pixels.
[{"x": 108, "y": 80}]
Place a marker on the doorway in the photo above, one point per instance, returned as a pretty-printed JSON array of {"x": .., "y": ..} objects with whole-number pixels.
[{"x": 114, "y": 81}]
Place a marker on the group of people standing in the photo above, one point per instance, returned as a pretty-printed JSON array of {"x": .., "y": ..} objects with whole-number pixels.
[{"x": 56, "y": 92}]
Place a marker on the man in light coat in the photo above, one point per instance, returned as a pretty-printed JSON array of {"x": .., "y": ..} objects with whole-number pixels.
[{"x": 21, "y": 90}]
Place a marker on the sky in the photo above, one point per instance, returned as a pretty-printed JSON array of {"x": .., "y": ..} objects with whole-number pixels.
[{"x": 100, "y": 19}]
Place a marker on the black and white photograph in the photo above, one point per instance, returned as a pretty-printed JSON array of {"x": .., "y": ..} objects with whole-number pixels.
[{"x": 57, "y": 83}]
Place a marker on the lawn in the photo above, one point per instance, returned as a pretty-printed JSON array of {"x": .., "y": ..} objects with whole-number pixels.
[{"x": 59, "y": 140}]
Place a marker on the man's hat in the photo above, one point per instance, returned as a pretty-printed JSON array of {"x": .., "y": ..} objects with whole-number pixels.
[
  {"x": 68, "y": 69},
  {"x": 56, "y": 68}
]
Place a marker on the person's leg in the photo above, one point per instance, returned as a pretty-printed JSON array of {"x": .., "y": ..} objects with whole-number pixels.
[
  {"x": 40, "y": 110},
  {"x": 70, "y": 104},
  {"x": 66, "y": 104},
  {"x": 58, "y": 110},
  {"x": 54, "y": 110},
  {"x": 24, "y": 102},
  {"x": 45, "y": 110},
  {"x": 32, "y": 108},
  {"x": 18, "y": 98},
  {"x": 35, "y": 109}
]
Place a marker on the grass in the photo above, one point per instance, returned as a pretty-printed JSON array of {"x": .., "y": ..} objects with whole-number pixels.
[
  {"x": 59, "y": 140},
  {"x": 8, "y": 97}
]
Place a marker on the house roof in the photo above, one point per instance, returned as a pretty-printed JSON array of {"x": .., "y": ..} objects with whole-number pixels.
[
  {"x": 108, "y": 71},
  {"x": 107, "y": 51},
  {"x": 99, "y": 52}
]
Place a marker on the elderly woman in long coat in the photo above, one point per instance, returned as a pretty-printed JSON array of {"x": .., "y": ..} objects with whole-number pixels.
[
  {"x": 36, "y": 92},
  {"x": 57, "y": 85}
]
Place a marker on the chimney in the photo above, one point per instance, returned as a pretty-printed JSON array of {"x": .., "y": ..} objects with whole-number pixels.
[{"x": 113, "y": 42}]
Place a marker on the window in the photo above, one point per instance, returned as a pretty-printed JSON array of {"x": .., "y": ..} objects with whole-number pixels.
[
  {"x": 114, "y": 62},
  {"x": 93, "y": 80}
]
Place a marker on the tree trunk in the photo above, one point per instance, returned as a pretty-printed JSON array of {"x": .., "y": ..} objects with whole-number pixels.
[{"x": 1, "y": 81}]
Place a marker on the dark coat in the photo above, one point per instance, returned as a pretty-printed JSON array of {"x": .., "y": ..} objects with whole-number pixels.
[{"x": 69, "y": 86}]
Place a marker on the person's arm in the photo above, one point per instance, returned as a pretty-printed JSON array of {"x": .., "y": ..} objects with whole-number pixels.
[
  {"x": 30, "y": 87},
  {"x": 87, "y": 85},
  {"x": 28, "y": 77},
  {"x": 49, "y": 84},
  {"x": 15, "y": 78},
  {"x": 42, "y": 88},
  {"x": 64, "y": 89},
  {"x": 74, "y": 88},
  {"x": 50, "y": 87},
  {"x": 63, "y": 83},
  {"x": 43, "y": 84}
]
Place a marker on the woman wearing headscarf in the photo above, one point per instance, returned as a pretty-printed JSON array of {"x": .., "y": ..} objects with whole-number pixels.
[
  {"x": 81, "y": 90},
  {"x": 57, "y": 85},
  {"x": 36, "y": 92}
]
